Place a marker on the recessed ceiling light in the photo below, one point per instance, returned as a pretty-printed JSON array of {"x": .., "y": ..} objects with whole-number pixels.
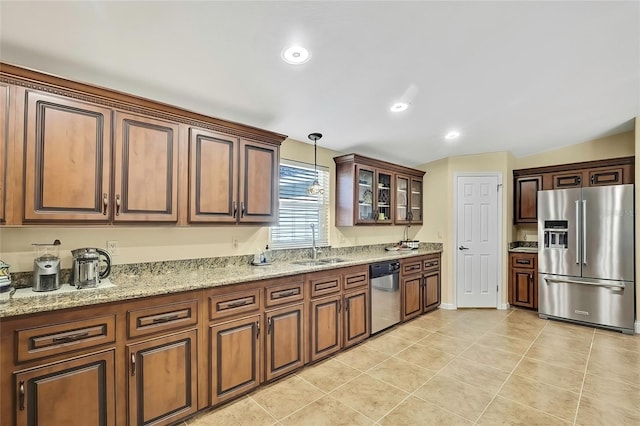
[
  {"x": 452, "y": 135},
  {"x": 296, "y": 55},
  {"x": 399, "y": 106}
]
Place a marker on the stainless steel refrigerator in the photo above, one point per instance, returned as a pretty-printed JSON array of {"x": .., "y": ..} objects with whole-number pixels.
[{"x": 586, "y": 259}]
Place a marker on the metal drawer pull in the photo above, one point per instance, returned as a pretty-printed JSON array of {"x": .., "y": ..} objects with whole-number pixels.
[
  {"x": 71, "y": 337},
  {"x": 523, "y": 261},
  {"x": 285, "y": 294},
  {"x": 554, "y": 280},
  {"x": 166, "y": 318},
  {"x": 21, "y": 396},
  {"x": 238, "y": 303}
]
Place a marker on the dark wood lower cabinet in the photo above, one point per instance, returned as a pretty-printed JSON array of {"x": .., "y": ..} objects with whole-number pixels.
[
  {"x": 163, "y": 379},
  {"x": 410, "y": 290},
  {"x": 431, "y": 290},
  {"x": 356, "y": 317},
  {"x": 522, "y": 288},
  {"x": 284, "y": 340},
  {"x": 235, "y": 358},
  {"x": 79, "y": 391},
  {"x": 326, "y": 330}
]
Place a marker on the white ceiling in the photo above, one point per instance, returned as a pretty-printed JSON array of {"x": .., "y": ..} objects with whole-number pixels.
[{"x": 525, "y": 77}]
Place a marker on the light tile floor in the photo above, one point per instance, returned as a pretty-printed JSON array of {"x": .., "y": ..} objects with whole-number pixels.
[{"x": 464, "y": 367}]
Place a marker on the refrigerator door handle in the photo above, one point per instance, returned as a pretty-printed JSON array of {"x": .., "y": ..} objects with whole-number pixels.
[
  {"x": 577, "y": 233},
  {"x": 555, "y": 280},
  {"x": 584, "y": 232}
]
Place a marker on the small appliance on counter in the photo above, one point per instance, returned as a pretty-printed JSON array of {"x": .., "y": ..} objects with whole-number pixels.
[
  {"x": 46, "y": 267},
  {"x": 6, "y": 290},
  {"x": 87, "y": 271}
]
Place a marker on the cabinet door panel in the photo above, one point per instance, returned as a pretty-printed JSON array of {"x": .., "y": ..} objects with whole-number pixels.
[
  {"x": 606, "y": 176},
  {"x": 77, "y": 392},
  {"x": 526, "y": 199},
  {"x": 68, "y": 160},
  {"x": 326, "y": 331},
  {"x": 356, "y": 318},
  {"x": 411, "y": 289},
  {"x": 146, "y": 169},
  {"x": 4, "y": 149},
  {"x": 259, "y": 177},
  {"x": 568, "y": 180},
  {"x": 523, "y": 288},
  {"x": 235, "y": 356},
  {"x": 163, "y": 379},
  {"x": 213, "y": 177},
  {"x": 284, "y": 340},
  {"x": 431, "y": 290}
]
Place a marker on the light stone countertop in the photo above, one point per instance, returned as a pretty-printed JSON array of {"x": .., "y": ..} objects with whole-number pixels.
[
  {"x": 147, "y": 283},
  {"x": 524, "y": 250}
]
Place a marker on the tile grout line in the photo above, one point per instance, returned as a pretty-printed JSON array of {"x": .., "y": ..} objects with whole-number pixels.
[
  {"x": 511, "y": 374},
  {"x": 584, "y": 377}
]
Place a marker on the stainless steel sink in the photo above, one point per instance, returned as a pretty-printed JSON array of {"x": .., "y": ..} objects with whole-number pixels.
[
  {"x": 332, "y": 260},
  {"x": 316, "y": 262},
  {"x": 309, "y": 262}
]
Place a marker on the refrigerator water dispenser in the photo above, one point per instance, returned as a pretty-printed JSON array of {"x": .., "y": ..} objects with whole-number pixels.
[{"x": 556, "y": 234}]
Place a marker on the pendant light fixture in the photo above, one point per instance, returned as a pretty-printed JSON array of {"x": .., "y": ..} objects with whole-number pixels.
[{"x": 315, "y": 188}]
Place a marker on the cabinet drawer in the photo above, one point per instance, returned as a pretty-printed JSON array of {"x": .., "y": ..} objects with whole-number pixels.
[
  {"x": 321, "y": 286},
  {"x": 284, "y": 293},
  {"x": 431, "y": 263},
  {"x": 410, "y": 267},
  {"x": 162, "y": 318},
  {"x": 40, "y": 342},
  {"x": 224, "y": 305},
  {"x": 356, "y": 279},
  {"x": 523, "y": 261}
]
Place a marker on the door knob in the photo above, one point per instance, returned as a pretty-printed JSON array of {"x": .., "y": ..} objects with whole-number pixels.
[{"x": 463, "y": 248}]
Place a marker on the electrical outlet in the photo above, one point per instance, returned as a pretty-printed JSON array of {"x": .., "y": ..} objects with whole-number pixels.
[
  {"x": 234, "y": 242},
  {"x": 112, "y": 248}
]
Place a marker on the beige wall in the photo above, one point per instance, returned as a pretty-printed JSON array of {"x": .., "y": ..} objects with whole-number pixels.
[{"x": 147, "y": 244}]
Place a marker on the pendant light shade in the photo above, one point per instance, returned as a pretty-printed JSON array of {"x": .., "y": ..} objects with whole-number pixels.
[{"x": 315, "y": 188}]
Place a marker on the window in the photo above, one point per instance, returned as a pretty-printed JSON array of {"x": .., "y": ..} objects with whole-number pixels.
[{"x": 298, "y": 210}]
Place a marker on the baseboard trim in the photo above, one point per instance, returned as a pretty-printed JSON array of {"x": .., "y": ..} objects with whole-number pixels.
[
  {"x": 503, "y": 307},
  {"x": 448, "y": 306},
  {"x": 637, "y": 327}
]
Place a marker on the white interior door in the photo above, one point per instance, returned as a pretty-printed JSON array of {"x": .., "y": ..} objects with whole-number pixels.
[{"x": 477, "y": 234}]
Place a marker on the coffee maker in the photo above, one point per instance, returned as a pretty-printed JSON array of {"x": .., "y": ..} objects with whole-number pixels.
[
  {"x": 46, "y": 267},
  {"x": 86, "y": 272}
]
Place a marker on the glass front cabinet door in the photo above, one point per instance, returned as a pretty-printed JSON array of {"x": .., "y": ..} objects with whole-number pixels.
[
  {"x": 374, "y": 196},
  {"x": 408, "y": 200}
]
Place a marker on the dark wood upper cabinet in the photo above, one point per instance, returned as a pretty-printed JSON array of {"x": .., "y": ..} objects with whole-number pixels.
[
  {"x": 67, "y": 151},
  {"x": 4, "y": 149},
  {"x": 526, "y": 199},
  {"x": 259, "y": 178},
  {"x": 145, "y": 169},
  {"x": 373, "y": 192},
  {"x": 527, "y": 182}
]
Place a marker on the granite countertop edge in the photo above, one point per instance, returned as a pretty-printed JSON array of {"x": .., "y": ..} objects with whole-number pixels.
[{"x": 137, "y": 286}]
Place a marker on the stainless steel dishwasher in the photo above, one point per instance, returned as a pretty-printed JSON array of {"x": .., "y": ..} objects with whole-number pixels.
[{"x": 385, "y": 294}]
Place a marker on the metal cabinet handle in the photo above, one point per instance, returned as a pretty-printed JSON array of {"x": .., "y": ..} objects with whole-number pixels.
[
  {"x": 237, "y": 304},
  {"x": 71, "y": 337},
  {"x": 346, "y": 305},
  {"x": 269, "y": 326},
  {"x": 235, "y": 209},
  {"x": 257, "y": 329},
  {"x": 133, "y": 363},
  {"x": 242, "y": 209},
  {"x": 117, "y": 204},
  {"x": 21, "y": 395},
  {"x": 165, "y": 318},
  {"x": 105, "y": 203}
]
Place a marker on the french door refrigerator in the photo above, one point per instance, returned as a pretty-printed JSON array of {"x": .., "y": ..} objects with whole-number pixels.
[{"x": 586, "y": 259}]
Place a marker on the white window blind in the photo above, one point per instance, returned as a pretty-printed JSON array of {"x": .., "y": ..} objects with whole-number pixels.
[{"x": 298, "y": 210}]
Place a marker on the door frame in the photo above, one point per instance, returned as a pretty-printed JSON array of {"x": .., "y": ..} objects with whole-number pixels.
[{"x": 454, "y": 242}]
